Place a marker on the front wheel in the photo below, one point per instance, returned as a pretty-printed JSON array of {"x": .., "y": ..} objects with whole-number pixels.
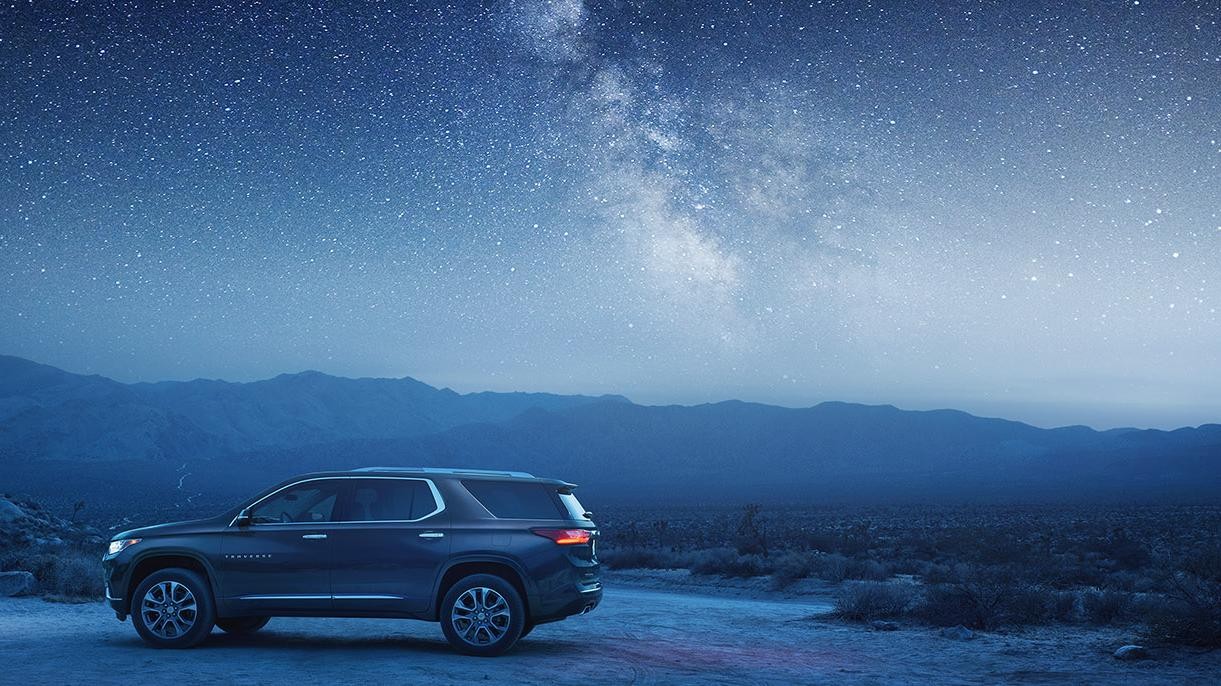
[
  {"x": 172, "y": 608},
  {"x": 242, "y": 625},
  {"x": 483, "y": 615}
]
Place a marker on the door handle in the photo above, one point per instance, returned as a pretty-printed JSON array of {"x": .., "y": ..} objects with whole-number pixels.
[
  {"x": 432, "y": 534},
  {"x": 314, "y": 537}
]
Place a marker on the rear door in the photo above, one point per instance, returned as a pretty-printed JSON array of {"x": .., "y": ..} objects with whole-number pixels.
[{"x": 389, "y": 545}]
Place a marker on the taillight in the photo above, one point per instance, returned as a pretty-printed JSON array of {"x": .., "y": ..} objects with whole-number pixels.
[{"x": 566, "y": 536}]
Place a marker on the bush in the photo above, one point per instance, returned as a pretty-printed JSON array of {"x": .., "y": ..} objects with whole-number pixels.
[
  {"x": 1184, "y": 624},
  {"x": 1192, "y": 614},
  {"x": 642, "y": 558},
  {"x": 865, "y": 601},
  {"x": 1064, "y": 606},
  {"x": 1104, "y": 606},
  {"x": 791, "y": 567},
  {"x": 75, "y": 575},
  {"x": 67, "y": 572},
  {"x": 833, "y": 567},
  {"x": 727, "y": 562},
  {"x": 836, "y": 568},
  {"x": 945, "y": 605},
  {"x": 1029, "y": 604}
]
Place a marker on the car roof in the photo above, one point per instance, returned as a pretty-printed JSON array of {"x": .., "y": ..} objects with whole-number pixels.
[{"x": 441, "y": 473}]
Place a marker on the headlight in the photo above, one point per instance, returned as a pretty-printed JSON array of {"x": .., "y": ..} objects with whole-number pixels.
[{"x": 117, "y": 547}]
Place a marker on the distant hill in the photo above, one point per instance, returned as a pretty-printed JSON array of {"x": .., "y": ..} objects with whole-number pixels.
[
  {"x": 64, "y": 435},
  {"x": 47, "y": 413}
]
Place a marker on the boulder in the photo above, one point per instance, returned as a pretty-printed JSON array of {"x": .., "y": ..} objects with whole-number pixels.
[
  {"x": 1132, "y": 652},
  {"x": 879, "y": 625},
  {"x": 958, "y": 633},
  {"x": 9, "y": 512},
  {"x": 16, "y": 583}
]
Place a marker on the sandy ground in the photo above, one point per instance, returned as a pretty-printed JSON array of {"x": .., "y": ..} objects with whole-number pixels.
[{"x": 638, "y": 635}]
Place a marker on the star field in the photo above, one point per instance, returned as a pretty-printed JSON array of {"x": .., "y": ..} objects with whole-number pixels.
[{"x": 1008, "y": 208}]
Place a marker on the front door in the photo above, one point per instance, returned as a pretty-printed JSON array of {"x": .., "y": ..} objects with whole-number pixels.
[
  {"x": 281, "y": 561},
  {"x": 389, "y": 545}
]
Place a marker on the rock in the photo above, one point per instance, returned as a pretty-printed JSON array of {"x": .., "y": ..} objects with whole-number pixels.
[
  {"x": 1132, "y": 652},
  {"x": 16, "y": 583},
  {"x": 958, "y": 633},
  {"x": 879, "y": 625},
  {"x": 9, "y": 512}
]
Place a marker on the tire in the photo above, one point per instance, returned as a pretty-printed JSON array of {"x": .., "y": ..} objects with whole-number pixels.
[
  {"x": 172, "y": 608},
  {"x": 240, "y": 626},
  {"x": 526, "y": 630},
  {"x": 482, "y": 615}
]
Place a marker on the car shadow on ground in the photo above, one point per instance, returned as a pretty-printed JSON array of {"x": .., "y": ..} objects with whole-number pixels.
[{"x": 296, "y": 641}]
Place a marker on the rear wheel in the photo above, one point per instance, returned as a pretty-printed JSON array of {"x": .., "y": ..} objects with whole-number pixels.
[
  {"x": 172, "y": 608},
  {"x": 242, "y": 625},
  {"x": 482, "y": 615}
]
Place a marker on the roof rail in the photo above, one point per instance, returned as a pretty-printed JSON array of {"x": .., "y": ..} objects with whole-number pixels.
[{"x": 448, "y": 470}]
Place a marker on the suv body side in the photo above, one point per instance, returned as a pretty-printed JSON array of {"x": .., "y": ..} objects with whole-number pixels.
[{"x": 343, "y": 565}]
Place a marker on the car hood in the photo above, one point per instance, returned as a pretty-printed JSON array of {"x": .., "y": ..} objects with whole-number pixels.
[{"x": 194, "y": 526}]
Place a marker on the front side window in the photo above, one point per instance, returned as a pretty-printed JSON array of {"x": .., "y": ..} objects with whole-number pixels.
[
  {"x": 390, "y": 500},
  {"x": 309, "y": 502}
]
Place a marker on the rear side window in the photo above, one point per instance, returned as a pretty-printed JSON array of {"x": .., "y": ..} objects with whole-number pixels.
[
  {"x": 388, "y": 500},
  {"x": 575, "y": 509},
  {"x": 515, "y": 499}
]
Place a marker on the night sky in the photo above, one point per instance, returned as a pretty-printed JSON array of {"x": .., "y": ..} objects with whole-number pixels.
[{"x": 1011, "y": 208}]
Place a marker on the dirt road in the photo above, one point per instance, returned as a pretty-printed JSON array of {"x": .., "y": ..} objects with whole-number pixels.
[{"x": 636, "y": 636}]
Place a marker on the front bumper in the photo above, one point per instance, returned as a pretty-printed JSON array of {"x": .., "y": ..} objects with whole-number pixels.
[{"x": 114, "y": 576}]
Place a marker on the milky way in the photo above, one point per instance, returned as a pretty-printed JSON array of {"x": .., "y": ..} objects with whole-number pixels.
[{"x": 1009, "y": 208}]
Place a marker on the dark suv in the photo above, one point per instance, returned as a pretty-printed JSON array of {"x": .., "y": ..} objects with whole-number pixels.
[{"x": 490, "y": 555}]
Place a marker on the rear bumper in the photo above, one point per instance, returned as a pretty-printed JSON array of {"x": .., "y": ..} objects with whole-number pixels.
[{"x": 582, "y": 598}]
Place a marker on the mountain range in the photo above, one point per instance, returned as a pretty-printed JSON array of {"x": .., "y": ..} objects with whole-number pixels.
[{"x": 65, "y": 435}]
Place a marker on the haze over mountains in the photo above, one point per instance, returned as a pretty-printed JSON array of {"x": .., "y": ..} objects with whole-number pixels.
[{"x": 66, "y": 435}]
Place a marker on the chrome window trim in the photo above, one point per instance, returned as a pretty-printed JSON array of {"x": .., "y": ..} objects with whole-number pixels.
[{"x": 436, "y": 496}]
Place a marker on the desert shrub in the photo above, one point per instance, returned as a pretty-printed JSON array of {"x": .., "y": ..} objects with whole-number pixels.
[
  {"x": 39, "y": 562},
  {"x": 727, "y": 562},
  {"x": 865, "y": 601},
  {"x": 1064, "y": 606},
  {"x": 642, "y": 558},
  {"x": 836, "y": 568},
  {"x": 750, "y": 538},
  {"x": 976, "y": 598},
  {"x": 65, "y": 572},
  {"x": 945, "y": 605},
  {"x": 869, "y": 570},
  {"x": 1191, "y": 615},
  {"x": 832, "y": 567},
  {"x": 1184, "y": 624},
  {"x": 74, "y": 575},
  {"x": 790, "y": 567},
  {"x": 1104, "y": 606},
  {"x": 1124, "y": 552},
  {"x": 1029, "y": 604}
]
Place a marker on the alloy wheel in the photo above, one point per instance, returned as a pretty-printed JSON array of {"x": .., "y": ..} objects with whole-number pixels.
[
  {"x": 480, "y": 616},
  {"x": 169, "y": 609}
]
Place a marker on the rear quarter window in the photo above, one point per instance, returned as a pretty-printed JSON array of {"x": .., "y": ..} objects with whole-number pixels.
[{"x": 516, "y": 500}]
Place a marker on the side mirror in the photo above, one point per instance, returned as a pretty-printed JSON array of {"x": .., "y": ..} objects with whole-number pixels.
[{"x": 243, "y": 517}]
